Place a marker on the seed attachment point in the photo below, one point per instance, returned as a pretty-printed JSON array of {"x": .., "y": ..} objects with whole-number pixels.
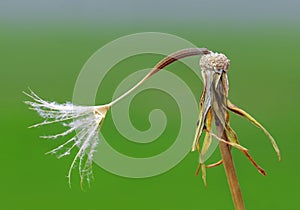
[{"x": 216, "y": 62}]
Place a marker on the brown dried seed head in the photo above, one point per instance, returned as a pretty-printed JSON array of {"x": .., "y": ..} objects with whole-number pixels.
[{"x": 214, "y": 61}]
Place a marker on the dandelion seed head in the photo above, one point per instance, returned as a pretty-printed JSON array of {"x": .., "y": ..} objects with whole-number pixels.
[{"x": 214, "y": 62}]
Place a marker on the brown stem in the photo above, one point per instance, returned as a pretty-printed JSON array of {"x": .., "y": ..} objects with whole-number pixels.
[{"x": 230, "y": 169}]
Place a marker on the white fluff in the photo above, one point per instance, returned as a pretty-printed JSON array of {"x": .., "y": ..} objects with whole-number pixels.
[{"x": 86, "y": 121}]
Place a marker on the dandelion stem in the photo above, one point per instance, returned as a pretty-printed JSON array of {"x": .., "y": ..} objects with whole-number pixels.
[{"x": 230, "y": 169}]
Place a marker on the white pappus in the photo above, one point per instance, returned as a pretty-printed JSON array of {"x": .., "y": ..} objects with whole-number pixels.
[{"x": 85, "y": 121}]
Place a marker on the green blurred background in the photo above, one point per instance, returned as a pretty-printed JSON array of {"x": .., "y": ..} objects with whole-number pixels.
[{"x": 46, "y": 51}]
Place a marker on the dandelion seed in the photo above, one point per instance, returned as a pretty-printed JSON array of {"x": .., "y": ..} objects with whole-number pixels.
[{"x": 86, "y": 121}]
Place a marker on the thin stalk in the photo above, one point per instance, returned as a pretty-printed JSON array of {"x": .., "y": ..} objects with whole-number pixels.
[
  {"x": 163, "y": 63},
  {"x": 230, "y": 169}
]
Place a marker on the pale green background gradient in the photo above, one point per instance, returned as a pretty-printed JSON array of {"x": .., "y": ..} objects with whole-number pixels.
[{"x": 44, "y": 44}]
